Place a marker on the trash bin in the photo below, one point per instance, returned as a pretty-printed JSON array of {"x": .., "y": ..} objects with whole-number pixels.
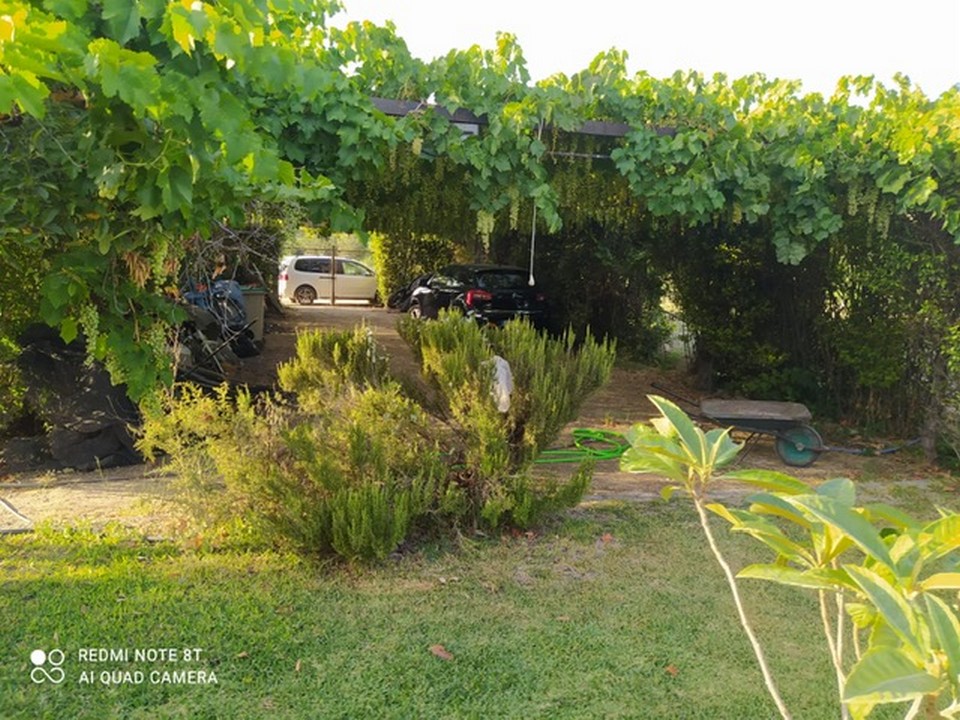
[{"x": 255, "y": 299}]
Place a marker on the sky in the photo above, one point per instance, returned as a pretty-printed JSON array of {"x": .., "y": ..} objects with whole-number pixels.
[{"x": 816, "y": 41}]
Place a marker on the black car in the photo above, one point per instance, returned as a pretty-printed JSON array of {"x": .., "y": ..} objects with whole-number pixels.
[
  {"x": 492, "y": 294},
  {"x": 400, "y": 299}
]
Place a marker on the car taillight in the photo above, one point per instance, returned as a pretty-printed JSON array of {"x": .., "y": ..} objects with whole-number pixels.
[
  {"x": 284, "y": 277},
  {"x": 474, "y": 296}
]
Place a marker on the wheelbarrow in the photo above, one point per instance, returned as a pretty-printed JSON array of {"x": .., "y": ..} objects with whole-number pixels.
[{"x": 796, "y": 442}]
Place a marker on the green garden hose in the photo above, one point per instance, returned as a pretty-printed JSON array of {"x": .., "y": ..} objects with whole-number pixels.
[{"x": 588, "y": 444}]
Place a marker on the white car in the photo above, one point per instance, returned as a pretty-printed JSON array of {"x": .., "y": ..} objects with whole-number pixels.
[{"x": 306, "y": 278}]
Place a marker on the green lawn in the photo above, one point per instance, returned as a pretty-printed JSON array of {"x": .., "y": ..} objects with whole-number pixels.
[{"x": 614, "y": 611}]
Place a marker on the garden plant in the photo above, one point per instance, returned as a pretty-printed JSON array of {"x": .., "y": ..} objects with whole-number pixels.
[
  {"x": 345, "y": 462},
  {"x": 887, "y": 583}
]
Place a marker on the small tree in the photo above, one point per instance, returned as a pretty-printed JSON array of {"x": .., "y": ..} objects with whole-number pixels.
[
  {"x": 905, "y": 638},
  {"x": 674, "y": 447}
]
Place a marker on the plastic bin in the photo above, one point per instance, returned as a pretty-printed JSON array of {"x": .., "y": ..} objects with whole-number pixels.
[{"x": 255, "y": 300}]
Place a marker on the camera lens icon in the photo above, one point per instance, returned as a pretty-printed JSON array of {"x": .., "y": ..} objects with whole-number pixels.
[{"x": 46, "y": 666}]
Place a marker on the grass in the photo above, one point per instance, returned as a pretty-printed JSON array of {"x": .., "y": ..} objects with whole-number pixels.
[{"x": 615, "y": 610}]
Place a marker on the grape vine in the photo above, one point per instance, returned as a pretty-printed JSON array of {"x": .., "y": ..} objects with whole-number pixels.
[{"x": 131, "y": 130}]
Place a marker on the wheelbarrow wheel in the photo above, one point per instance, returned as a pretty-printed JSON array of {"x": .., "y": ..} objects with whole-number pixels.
[{"x": 799, "y": 446}]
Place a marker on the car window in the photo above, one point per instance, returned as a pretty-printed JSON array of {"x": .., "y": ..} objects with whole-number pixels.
[
  {"x": 446, "y": 278},
  {"x": 313, "y": 265},
  {"x": 465, "y": 276},
  {"x": 353, "y": 268},
  {"x": 502, "y": 279}
]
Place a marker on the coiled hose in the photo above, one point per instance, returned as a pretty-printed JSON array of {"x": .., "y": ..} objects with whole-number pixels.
[{"x": 588, "y": 444}]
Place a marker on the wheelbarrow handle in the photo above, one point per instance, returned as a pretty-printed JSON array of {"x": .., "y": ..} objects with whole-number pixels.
[{"x": 675, "y": 396}]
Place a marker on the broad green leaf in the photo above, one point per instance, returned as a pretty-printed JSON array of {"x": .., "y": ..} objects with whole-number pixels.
[
  {"x": 286, "y": 173},
  {"x": 849, "y": 522},
  {"x": 941, "y": 581},
  {"x": 887, "y": 675},
  {"x": 176, "y": 186},
  {"x": 229, "y": 41},
  {"x": 840, "y": 489},
  {"x": 104, "y": 240},
  {"x": 724, "y": 512},
  {"x": 152, "y": 8},
  {"x": 151, "y": 202},
  {"x": 940, "y": 537},
  {"x": 860, "y": 709},
  {"x": 890, "y": 603},
  {"x": 26, "y": 90},
  {"x": 946, "y": 633},
  {"x": 904, "y": 553},
  {"x": 635, "y": 460},
  {"x": 636, "y": 431},
  {"x": 770, "y": 504},
  {"x": 894, "y": 179},
  {"x": 765, "y": 531},
  {"x": 651, "y": 452},
  {"x": 122, "y": 18},
  {"x": 721, "y": 447},
  {"x": 7, "y": 94},
  {"x": 863, "y": 615},
  {"x": 108, "y": 182},
  {"x": 830, "y": 542},
  {"x": 656, "y": 446},
  {"x": 919, "y": 192},
  {"x": 73, "y": 9},
  {"x": 882, "y": 635},
  {"x": 692, "y": 439},
  {"x": 69, "y": 330},
  {"x": 772, "y": 537},
  {"x": 770, "y": 480},
  {"x": 124, "y": 73},
  {"x": 667, "y": 491},
  {"x": 182, "y": 30},
  {"x": 814, "y": 579}
]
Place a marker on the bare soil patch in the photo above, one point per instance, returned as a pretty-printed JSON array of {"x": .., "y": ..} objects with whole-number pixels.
[{"x": 140, "y": 496}]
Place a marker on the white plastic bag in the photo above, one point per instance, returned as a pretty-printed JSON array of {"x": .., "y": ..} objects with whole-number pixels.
[{"x": 502, "y": 383}]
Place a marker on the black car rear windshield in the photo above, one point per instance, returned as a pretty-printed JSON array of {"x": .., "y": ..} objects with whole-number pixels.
[{"x": 502, "y": 279}]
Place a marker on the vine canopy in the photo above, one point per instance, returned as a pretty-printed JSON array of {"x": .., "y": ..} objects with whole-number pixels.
[{"x": 132, "y": 129}]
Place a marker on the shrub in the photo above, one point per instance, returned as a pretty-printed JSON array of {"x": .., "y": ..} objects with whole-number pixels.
[
  {"x": 349, "y": 472},
  {"x": 332, "y": 360},
  {"x": 355, "y": 479},
  {"x": 353, "y": 466},
  {"x": 496, "y": 450},
  {"x": 552, "y": 378}
]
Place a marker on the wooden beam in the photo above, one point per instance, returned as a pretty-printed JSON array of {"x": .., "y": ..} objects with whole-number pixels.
[
  {"x": 597, "y": 128},
  {"x": 399, "y": 108}
]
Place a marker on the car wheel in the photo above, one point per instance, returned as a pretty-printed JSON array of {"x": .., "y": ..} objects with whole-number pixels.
[
  {"x": 305, "y": 295},
  {"x": 415, "y": 312}
]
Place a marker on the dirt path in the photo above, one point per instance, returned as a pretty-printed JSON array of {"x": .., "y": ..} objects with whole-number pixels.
[{"x": 139, "y": 496}]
